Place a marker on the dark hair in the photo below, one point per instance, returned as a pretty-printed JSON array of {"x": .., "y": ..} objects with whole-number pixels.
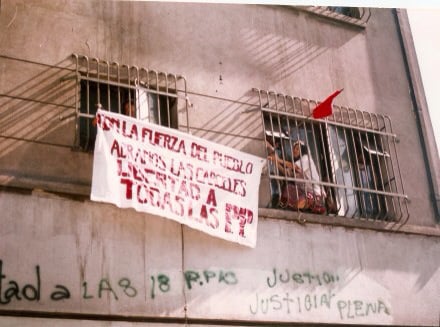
[
  {"x": 303, "y": 148},
  {"x": 128, "y": 101}
]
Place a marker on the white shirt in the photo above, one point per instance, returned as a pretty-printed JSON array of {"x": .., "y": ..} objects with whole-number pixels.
[{"x": 310, "y": 172}]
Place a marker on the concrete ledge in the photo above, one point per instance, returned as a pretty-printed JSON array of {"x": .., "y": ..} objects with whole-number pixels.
[
  {"x": 82, "y": 192},
  {"x": 323, "y": 12},
  {"x": 307, "y": 218}
]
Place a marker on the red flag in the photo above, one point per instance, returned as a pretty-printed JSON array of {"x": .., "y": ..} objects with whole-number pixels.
[{"x": 324, "y": 109}]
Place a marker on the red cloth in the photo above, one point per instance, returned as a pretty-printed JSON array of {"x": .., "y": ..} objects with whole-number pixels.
[{"x": 324, "y": 109}]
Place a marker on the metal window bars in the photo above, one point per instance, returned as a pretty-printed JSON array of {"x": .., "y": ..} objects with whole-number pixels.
[
  {"x": 354, "y": 153},
  {"x": 110, "y": 83},
  {"x": 357, "y": 16},
  {"x": 363, "y": 14}
]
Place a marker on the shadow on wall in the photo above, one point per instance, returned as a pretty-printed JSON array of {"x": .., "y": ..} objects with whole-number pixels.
[
  {"x": 38, "y": 102},
  {"x": 279, "y": 56},
  {"x": 398, "y": 252},
  {"x": 232, "y": 123},
  {"x": 37, "y": 111},
  {"x": 290, "y": 41},
  {"x": 292, "y": 45}
]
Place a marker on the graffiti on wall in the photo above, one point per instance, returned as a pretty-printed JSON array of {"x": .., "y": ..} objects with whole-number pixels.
[
  {"x": 308, "y": 292},
  {"x": 322, "y": 297}
]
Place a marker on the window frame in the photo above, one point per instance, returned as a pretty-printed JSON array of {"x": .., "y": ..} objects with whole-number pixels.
[
  {"x": 379, "y": 146},
  {"x": 166, "y": 88},
  {"x": 327, "y": 12}
]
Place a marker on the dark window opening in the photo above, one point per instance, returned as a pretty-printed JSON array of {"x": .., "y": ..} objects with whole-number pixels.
[
  {"x": 346, "y": 11},
  {"x": 345, "y": 165},
  {"x": 138, "y": 102},
  {"x": 92, "y": 97},
  {"x": 298, "y": 187},
  {"x": 142, "y": 93},
  {"x": 361, "y": 164}
]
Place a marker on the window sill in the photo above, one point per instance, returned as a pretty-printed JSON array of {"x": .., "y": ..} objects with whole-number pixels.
[
  {"x": 81, "y": 192},
  {"x": 29, "y": 185},
  {"x": 324, "y": 12},
  {"x": 307, "y": 218}
]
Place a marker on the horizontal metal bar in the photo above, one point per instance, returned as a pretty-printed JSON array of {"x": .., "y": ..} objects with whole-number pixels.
[
  {"x": 130, "y": 86},
  {"x": 328, "y": 122},
  {"x": 35, "y": 62},
  {"x": 37, "y": 101},
  {"x": 339, "y": 186},
  {"x": 22, "y": 139},
  {"x": 273, "y": 94}
]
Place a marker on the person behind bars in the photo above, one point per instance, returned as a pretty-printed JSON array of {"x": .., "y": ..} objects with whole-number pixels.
[{"x": 303, "y": 193}]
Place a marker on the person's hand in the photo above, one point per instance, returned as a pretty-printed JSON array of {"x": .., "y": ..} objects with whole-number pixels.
[
  {"x": 272, "y": 157},
  {"x": 270, "y": 148}
]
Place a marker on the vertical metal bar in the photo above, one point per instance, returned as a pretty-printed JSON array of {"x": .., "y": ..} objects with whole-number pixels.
[
  {"x": 125, "y": 73},
  {"x": 272, "y": 190},
  {"x": 143, "y": 77},
  {"x": 362, "y": 156},
  {"x": 98, "y": 77},
  {"x": 161, "y": 77},
  {"x": 118, "y": 79},
  {"x": 399, "y": 171},
  {"x": 309, "y": 148},
  {"x": 286, "y": 98},
  {"x": 341, "y": 165},
  {"x": 300, "y": 125},
  {"x": 87, "y": 101},
  {"x": 330, "y": 165},
  {"x": 322, "y": 128},
  {"x": 187, "y": 104},
  {"x": 344, "y": 137},
  {"x": 289, "y": 142},
  {"x": 77, "y": 109},
  {"x": 352, "y": 167},
  {"x": 156, "y": 74},
  {"x": 355, "y": 166},
  {"x": 287, "y": 118},
  {"x": 130, "y": 100},
  {"x": 366, "y": 155},
  {"x": 144, "y": 83},
  {"x": 136, "y": 85},
  {"x": 108, "y": 85},
  {"x": 390, "y": 213},
  {"x": 282, "y": 141},
  {"x": 371, "y": 195},
  {"x": 167, "y": 99},
  {"x": 385, "y": 147},
  {"x": 379, "y": 167},
  {"x": 398, "y": 217}
]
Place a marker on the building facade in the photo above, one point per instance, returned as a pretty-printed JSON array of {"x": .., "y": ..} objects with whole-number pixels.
[{"x": 363, "y": 248}]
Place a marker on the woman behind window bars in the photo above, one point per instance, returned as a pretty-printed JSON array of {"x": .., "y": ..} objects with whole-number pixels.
[
  {"x": 129, "y": 108},
  {"x": 298, "y": 194}
]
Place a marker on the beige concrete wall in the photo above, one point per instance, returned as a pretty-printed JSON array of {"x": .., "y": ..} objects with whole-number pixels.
[
  {"x": 124, "y": 263},
  {"x": 46, "y": 322},
  {"x": 88, "y": 258},
  {"x": 223, "y": 50}
]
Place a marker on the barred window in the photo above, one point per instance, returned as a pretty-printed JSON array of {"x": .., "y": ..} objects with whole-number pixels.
[
  {"x": 345, "y": 165},
  {"x": 145, "y": 94},
  {"x": 346, "y": 11},
  {"x": 351, "y": 15}
]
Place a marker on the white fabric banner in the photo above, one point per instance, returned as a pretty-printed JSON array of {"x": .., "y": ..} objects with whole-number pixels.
[{"x": 165, "y": 172}]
